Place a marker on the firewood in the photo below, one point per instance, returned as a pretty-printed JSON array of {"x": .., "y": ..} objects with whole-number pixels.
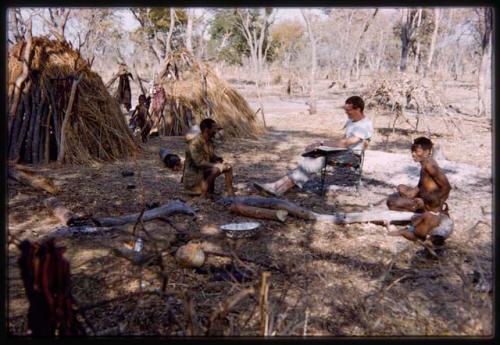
[
  {"x": 60, "y": 212},
  {"x": 175, "y": 207},
  {"x": 260, "y": 213},
  {"x": 30, "y": 178},
  {"x": 272, "y": 203},
  {"x": 65, "y": 124},
  {"x": 375, "y": 216}
]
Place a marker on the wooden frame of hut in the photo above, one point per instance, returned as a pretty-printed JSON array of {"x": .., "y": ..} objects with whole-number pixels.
[{"x": 59, "y": 110}]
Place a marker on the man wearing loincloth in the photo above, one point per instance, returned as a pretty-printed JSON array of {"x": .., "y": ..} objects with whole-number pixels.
[
  {"x": 428, "y": 197},
  {"x": 358, "y": 130},
  {"x": 202, "y": 166}
]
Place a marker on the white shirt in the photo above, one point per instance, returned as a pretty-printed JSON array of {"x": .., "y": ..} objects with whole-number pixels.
[{"x": 362, "y": 129}]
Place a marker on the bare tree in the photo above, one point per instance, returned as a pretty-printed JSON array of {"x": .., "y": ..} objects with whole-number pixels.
[
  {"x": 437, "y": 15},
  {"x": 57, "y": 22},
  {"x": 408, "y": 27},
  {"x": 312, "y": 41},
  {"x": 17, "y": 24},
  {"x": 487, "y": 17},
  {"x": 168, "y": 44},
  {"x": 189, "y": 29},
  {"x": 255, "y": 33},
  {"x": 357, "y": 45}
]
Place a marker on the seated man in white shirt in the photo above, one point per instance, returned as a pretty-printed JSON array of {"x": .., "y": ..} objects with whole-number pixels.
[{"x": 358, "y": 129}]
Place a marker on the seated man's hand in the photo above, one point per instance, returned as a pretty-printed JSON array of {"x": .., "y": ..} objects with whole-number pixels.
[
  {"x": 312, "y": 147},
  {"x": 226, "y": 167}
]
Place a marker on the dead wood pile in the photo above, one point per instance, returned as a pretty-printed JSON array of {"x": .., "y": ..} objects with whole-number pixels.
[
  {"x": 59, "y": 109},
  {"x": 190, "y": 91},
  {"x": 404, "y": 93}
]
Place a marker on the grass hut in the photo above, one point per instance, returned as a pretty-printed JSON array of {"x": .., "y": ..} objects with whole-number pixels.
[
  {"x": 59, "y": 109},
  {"x": 189, "y": 91}
]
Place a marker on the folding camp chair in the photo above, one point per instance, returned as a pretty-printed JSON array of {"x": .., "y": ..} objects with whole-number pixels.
[{"x": 356, "y": 169}]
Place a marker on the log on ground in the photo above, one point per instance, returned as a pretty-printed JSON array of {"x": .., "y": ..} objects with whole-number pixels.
[
  {"x": 272, "y": 203},
  {"x": 175, "y": 207},
  {"x": 257, "y": 212},
  {"x": 32, "y": 179}
]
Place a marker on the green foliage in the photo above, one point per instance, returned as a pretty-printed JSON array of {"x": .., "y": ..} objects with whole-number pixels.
[{"x": 225, "y": 29}]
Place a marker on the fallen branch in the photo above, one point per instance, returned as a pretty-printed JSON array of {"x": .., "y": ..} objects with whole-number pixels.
[
  {"x": 257, "y": 212},
  {"x": 375, "y": 216},
  {"x": 223, "y": 310},
  {"x": 272, "y": 203},
  {"x": 32, "y": 179},
  {"x": 60, "y": 212},
  {"x": 175, "y": 207}
]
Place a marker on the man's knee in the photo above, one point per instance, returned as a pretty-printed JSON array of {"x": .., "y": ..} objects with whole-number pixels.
[{"x": 392, "y": 201}]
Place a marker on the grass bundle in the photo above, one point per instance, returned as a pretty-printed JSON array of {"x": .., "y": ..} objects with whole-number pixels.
[
  {"x": 61, "y": 110},
  {"x": 192, "y": 92}
]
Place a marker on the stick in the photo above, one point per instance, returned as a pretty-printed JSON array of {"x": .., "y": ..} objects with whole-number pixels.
[
  {"x": 264, "y": 289},
  {"x": 24, "y": 74},
  {"x": 175, "y": 207},
  {"x": 273, "y": 203},
  {"x": 65, "y": 124},
  {"x": 32, "y": 179},
  {"x": 260, "y": 213},
  {"x": 60, "y": 212},
  {"x": 224, "y": 309}
]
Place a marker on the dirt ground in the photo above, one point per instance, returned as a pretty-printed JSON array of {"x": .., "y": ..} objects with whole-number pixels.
[{"x": 341, "y": 280}]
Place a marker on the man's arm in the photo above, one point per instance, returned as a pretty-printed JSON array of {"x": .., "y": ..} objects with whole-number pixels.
[
  {"x": 197, "y": 155},
  {"x": 433, "y": 170},
  {"x": 343, "y": 142}
]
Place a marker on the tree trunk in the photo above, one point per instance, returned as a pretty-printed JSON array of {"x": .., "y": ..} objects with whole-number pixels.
[
  {"x": 485, "y": 61},
  {"x": 170, "y": 32},
  {"x": 405, "y": 38},
  {"x": 24, "y": 128},
  {"x": 22, "y": 77},
  {"x": 312, "y": 41},
  {"x": 189, "y": 30},
  {"x": 437, "y": 14}
]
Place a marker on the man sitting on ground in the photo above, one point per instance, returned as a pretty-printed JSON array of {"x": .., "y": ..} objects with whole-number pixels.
[
  {"x": 358, "y": 128},
  {"x": 202, "y": 166},
  {"x": 432, "y": 183},
  {"x": 429, "y": 197}
]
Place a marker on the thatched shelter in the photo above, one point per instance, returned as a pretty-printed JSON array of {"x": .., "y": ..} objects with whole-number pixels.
[
  {"x": 188, "y": 91},
  {"x": 59, "y": 109}
]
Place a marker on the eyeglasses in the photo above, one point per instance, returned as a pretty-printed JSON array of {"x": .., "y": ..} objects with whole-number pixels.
[{"x": 346, "y": 108}]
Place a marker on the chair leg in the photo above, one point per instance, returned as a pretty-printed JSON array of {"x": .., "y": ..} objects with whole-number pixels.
[{"x": 323, "y": 176}]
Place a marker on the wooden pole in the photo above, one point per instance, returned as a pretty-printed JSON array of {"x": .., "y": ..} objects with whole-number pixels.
[{"x": 65, "y": 124}]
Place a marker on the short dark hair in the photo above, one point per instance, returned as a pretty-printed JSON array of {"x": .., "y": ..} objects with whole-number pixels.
[
  {"x": 172, "y": 160},
  {"x": 143, "y": 97},
  {"x": 357, "y": 102},
  {"x": 206, "y": 124},
  {"x": 423, "y": 142}
]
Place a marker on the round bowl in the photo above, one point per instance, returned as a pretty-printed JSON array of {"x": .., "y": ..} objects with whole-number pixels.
[{"x": 241, "y": 230}]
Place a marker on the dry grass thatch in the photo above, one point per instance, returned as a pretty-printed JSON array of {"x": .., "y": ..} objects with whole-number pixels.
[
  {"x": 193, "y": 91},
  {"x": 40, "y": 125}
]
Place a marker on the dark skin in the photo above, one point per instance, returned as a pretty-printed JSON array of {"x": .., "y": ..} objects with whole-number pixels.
[
  {"x": 423, "y": 223},
  {"x": 212, "y": 171},
  {"x": 431, "y": 192}
]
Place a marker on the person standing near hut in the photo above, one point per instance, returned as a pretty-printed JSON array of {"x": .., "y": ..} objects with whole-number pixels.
[
  {"x": 124, "y": 93},
  {"x": 202, "y": 166},
  {"x": 140, "y": 118}
]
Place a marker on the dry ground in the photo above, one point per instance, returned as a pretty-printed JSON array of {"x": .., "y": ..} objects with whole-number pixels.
[{"x": 325, "y": 279}]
